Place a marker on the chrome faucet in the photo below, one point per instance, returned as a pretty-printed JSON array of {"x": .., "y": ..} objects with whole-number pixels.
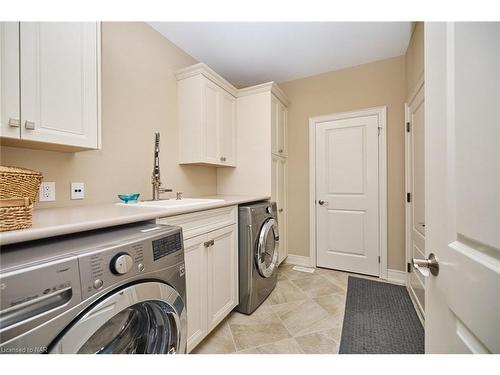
[{"x": 155, "y": 178}]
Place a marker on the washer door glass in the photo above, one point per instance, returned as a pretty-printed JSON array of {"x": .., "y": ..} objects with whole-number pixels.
[
  {"x": 144, "y": 328},
  {"x": 146, "y": 318},
  {"x": 268, "y": 248}
]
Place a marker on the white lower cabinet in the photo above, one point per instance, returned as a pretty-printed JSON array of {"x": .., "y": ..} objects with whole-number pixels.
[
  {"x": 222, "y": 274},
  {"x": 279, "y": 183},
  {"x": 195, "y": 256},
  {"x": 211, "y": 257}
]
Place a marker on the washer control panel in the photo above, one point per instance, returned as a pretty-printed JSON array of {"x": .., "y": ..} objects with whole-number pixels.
[{"x": 111, "y": 265}]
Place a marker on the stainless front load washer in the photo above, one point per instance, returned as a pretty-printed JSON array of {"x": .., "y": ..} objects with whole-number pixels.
[
  {"x": 118, "y": 290},
  {"x": 258, "y": 254}
]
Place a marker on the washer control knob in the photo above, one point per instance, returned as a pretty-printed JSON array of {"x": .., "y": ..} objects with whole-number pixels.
[
  {"x": 121, "y": 264},
  {"x": 269, "y": 210},
  {"x": 98, "y": 284},
  {"x": 140, "y": 267}
]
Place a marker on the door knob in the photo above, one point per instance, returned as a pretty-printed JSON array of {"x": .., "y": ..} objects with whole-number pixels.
[
  {"x": 322, "y": 202},
  {"x": 426, "y": 266}
]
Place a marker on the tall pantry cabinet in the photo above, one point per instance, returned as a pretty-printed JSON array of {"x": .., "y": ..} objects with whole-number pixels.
[{"x": 261, "y": 141}]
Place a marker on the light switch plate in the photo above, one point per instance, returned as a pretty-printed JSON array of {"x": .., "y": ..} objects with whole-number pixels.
[
  {"x": 77, "y": 190},
  {"x": 47, "y": 192}
]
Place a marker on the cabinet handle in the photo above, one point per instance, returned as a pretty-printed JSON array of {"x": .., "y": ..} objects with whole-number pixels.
[
  {"x": 30, "y": 125},
  {"x": 14, "y": 122},
  {"x": 280, "y": 150},
  {"x": 209, "y": 243},
  {"x": 222, "y": 158},
  {"x": 280, "y": 210}
]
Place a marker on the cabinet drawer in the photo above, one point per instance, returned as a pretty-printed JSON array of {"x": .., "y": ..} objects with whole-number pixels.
[{"x": 196, "y": 223}]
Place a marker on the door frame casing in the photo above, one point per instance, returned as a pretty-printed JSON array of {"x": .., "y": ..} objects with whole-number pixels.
[
  {"x": 408, "y": 189},
  {"x": 381, "y": 113}
]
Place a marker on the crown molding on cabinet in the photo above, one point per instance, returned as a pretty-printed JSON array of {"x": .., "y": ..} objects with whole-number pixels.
[
  {"x": 265, "y": 87},
  {"x": 204, "y": 69}
]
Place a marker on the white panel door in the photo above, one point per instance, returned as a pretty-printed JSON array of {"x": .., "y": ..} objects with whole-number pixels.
[
  {"x": 222, "y": 274},
  {"x": 195, "y": 257},
  {"x": 227, "y": 129},
  {"x": 59, "y": 82},
  {"x": 462, "y": 169},
  {"x": 416, "y": 189},
  {"x": 211, "y": 120},
  {"x": 347, "y": 195},
  {"x": 10, "y": 117}
]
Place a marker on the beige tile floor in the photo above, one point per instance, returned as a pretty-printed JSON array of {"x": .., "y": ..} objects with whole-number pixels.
[{"x": 303, "y": 314}]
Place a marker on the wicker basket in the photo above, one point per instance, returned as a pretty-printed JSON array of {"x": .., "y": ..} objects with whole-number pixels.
[
  {"x": 18, "y": 182},
  {"x": 16, "y": 213}
]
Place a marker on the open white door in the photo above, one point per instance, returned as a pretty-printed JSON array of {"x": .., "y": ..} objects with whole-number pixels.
[{"x": 462, "y": 177}]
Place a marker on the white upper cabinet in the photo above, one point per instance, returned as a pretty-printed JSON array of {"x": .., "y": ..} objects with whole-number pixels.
[
  {"x": 206, "y": 117},
  {"x": 10, "y": 117},
  {"x": 279, "y": 127},
  {"x": 59, "y": 84}
]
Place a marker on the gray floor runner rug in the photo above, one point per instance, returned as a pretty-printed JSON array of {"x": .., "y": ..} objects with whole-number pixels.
[{"x": 380, "y": 319}]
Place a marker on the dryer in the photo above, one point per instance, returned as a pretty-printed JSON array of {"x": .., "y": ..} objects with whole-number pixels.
[
  {"x": 118, "y": 290},
  {"x": 258, "y": 252}
]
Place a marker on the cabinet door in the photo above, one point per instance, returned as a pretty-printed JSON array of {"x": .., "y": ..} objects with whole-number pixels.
[
  {"x": 222, "y": 274},
  {"x": 211, "y": 120},
  {"x": 227, "y": 129},
  {"x": 195, "y": 257},
  {"x": 282, "y": 129},
  {"x": 9, "y": 80},
  {"x": 279, "y": 195},
  {"x": 274, "y": 125},
  {"x": 59, "y": 82},
  {"x": 279, "y": 119}
]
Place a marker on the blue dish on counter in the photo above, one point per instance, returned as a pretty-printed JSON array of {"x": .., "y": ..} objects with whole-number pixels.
[{"x": 129, "y": 198}]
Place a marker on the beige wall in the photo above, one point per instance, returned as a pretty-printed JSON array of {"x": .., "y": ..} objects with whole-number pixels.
[
  {"x": 414, "y": 59},
  {"x": 138, "y": 97},
  {"x": 375, "y": 84}
]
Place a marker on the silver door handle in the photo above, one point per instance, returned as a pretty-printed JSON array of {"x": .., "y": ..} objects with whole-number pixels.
[
  {"x": 322, "y": 202},
  {"x": 424, "y": 266},
  {"x": 14, "y": 122},
  {"x": 30, "y": 125}
]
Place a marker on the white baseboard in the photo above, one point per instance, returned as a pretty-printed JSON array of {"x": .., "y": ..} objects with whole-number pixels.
[
  {"x": 298, "y": 260},
  {"x": 397, "y": 277}
]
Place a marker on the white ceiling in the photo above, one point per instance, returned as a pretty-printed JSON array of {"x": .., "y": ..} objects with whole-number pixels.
[{"x": 248, "y": 53}]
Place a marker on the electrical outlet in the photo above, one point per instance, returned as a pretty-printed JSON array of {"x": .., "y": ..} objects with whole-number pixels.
[
  {"x": 47, "y": 192},
  {"x": 77, "y": 190}
]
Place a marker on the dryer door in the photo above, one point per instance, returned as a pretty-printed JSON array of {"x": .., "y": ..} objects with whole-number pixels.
[
  {"x": 148, "y": 318},
  {"x": 268, "y": 248}
]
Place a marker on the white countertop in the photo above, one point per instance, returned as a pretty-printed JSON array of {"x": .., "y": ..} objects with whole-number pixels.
[{"x": 50, "y": 222}]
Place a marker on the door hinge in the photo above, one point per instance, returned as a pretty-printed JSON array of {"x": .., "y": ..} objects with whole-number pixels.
[
  {"x": 379, "y": 259},
  {"x": 408, "y": 267},
  {"x": 407, "y": 127},
  {"x": 408, "y": 197},
  {"x": 379, "y": 130}
]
